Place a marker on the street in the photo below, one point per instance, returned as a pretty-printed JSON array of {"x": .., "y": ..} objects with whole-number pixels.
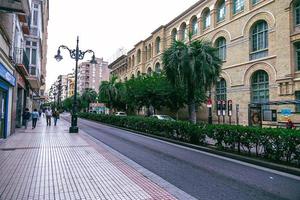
[{"x": 199, "y": 174}]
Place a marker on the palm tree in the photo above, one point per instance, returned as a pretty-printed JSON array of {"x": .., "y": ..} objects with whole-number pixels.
[
  {"x": 193, "y": 66},
  {"x": 110, "y": 92},
  {"x": 87, "y": 97}
]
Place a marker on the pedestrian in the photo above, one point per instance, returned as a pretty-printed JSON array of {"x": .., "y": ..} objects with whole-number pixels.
[
  {"x": 55, "y": 116},
  {"x": 26, "y": 117},
  {"x": 290, "y": 124},
  {"x": 35, "y": 116},
  {"x": 48, "y": 113}
]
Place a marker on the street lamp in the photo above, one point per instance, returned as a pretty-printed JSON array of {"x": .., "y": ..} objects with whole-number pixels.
[{"x": 77, "y": 55}]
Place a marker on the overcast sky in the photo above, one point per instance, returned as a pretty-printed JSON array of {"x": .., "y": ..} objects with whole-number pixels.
[{"x": 103, "y": 26}]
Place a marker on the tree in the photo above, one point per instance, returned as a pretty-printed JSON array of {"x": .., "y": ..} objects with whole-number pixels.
[
  {"x": 88, "y": 96},
  {"x": 193, "y": 66},
  {"x": 67, "y": 103},
  {"x": 112, "y": 94},
  {"x": 151, "y": 91}
]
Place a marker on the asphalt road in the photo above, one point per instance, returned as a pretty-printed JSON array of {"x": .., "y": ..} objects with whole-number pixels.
[{"x": 199, "y": 174}]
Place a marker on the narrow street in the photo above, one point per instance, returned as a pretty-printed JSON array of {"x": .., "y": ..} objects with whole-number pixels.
[{"x": 199, "y": 174}]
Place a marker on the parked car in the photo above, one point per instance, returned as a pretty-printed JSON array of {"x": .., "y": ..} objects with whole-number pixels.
[
  {"x": 163, "y": 117},
  {"x": 120, "y": 114}
]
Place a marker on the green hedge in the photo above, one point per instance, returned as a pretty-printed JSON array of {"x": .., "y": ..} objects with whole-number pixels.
[{"x": 280, "y": 145}]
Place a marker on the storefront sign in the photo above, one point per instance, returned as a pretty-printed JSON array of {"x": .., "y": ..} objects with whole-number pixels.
[
  {"x": 286, "y": 112},
  {"x": 6, "y": 75}
]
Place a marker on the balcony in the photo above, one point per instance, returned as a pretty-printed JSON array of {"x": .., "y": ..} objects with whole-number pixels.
[
  {"x": 21, "y": 60},
  {"x": 15, "y": 6}
]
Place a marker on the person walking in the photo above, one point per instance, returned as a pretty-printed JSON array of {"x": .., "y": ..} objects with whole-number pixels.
[
  {"x": 290, "y": 124},
  {"x": 48, "y": 113},
  {"x": 35, "y": 116},
  {"x": 26, "y": 117},
  {"x": 55, "y": 116}
]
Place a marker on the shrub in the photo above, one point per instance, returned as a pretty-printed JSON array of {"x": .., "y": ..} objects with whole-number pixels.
[{"x": 274, "y": 144}]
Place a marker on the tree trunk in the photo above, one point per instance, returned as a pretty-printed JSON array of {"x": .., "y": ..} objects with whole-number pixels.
[{"x": 192, "y": 112}]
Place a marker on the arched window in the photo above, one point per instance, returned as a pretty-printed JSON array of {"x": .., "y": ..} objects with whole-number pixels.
[
  {"x": 297, "y": 12},
  {"x": 297, "y": 55},
  {"x": 146, "y": 52},
  {"x": 157, "y": 67},
  {"x": 221, "y": 10},
  {"x": 183, "y": 31},
  {"x": 174, "y": 34},
  {"x": 260, "y": 87},
  {"x": 259, "y": 40},
  {"x": 129, "y": 62},
  {"x": 138, "y": 73},
  {"x": 133, "y": 61},
  {"x": 206, "y": 18},
  {"x": 221, "y": 91},
  {"x": 132, "y": 76},
  {"x": 149, "y": 71},
  {"x": 157, "y": 45},
  {"x": 221, "y": 46},
  {"x": 238, "y": 6},
  {"x": 125, "y": 79},
  {"x": 150, "y": 51},
  {"x": 194, "y": 26},
  {"x": 255, "y": 2},
  {"x": 138, "y": 56}
]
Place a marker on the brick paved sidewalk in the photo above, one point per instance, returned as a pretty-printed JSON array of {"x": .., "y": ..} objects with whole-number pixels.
[{"x": 49, "y": 163}]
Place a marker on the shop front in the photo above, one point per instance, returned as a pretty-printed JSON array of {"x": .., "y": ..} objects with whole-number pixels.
[
  {"x": 21, "y": 100},
  {"x": 7, "y": 82}
]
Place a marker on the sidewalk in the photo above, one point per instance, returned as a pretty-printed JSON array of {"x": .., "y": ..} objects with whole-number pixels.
[{"x": 49, "y": 163}]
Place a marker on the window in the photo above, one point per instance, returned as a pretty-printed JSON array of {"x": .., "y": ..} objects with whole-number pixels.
[
  {"x": 297, "y": 52},
  {"x": 221, "y": 90},
  {"x": 35, "y": 18},
  {"x": 133, "y": 63},
  {"x": 238, "y": 6},
  {"x": 221, "y": 46},
  {"x": 149, "y": 71},
  {"x": 146, "y": 52},
  {"x": 183, "y": 31},
  {"x": 255, "y": 2},
  {"x": 138, "y": 73},
  {"x": 297, "y": 12},
  {"x": 138, "y": 56},
  {"x": 194, "y": 26},
  {"x": 31, "y": 53},
  {"x": 260, "y": 87},
  {"x": 157, "y": 68},
  {"x": 259, "y": 37},
  {"x": 297, "y": 94},
  {"x": 157, "y": 45},
  {"x": 206, "y": 19},
  {"x": 150, "y": 51},
  {"x": 174, "y": 34},
  {"x": 221, "y": 11}
]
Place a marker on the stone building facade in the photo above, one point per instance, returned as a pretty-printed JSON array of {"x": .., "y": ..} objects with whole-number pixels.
[{"x": 259, "y": 43}]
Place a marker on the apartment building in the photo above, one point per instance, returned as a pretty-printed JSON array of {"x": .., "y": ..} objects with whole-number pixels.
[
  {"x": 19, "y": 82},
  {"x": 91, "y": 75},
  {"x": 259, "y": 43}
]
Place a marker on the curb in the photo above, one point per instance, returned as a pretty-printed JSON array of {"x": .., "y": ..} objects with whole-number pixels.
[{"x": 255, "y": 161}]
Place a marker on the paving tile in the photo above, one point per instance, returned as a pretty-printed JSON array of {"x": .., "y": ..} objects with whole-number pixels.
[{"x": 49, "y": 163}]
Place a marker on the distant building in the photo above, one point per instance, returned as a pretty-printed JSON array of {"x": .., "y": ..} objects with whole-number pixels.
[
  {"x": 70, "y": 84},
  {"x": 91, "y": 75}
]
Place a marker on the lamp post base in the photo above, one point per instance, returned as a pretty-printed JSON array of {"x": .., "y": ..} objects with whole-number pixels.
[{"x": 73, "y": 129}]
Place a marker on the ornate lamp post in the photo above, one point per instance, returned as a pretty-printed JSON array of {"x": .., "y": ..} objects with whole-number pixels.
[{"x": 77, "y": 55}]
